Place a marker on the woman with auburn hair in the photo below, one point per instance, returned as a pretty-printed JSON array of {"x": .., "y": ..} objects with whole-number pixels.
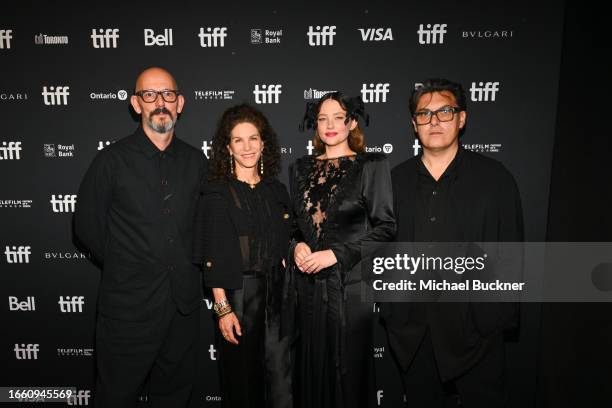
[
  {"x": 243, "y": 235},
  {"x": 342, "y": 199}
]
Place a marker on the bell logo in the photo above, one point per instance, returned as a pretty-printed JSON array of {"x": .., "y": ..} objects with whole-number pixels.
[
  {"x": 432, "y": 35},
  {"x": 80, "y": 398},
  {"x": 484, "y": 92},
  {"x": 10, "y": 151},
  {"x": 26, "y": 351},
  {"x": 18, "y": 254},
  {"x": 161, "y": 40},
  {"x": 212, "y": 37},
  {"x": 55, "y": 95},
  {"x": 63, "y": 203},
  {"x": 72, "y": 304},
  {"x": 5, "y": 39},
  {"x": 28, "y": 305},
  {"x": 374, "y": 93},
  {"x": 267, "y": 93},
  {"x": 321, "y": 36},
  {"x": 104, "y": 38},
  {"x": 376, "y": 34}
]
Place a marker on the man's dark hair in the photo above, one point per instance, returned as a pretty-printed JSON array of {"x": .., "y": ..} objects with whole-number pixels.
[{"x": 438, "y": 85}]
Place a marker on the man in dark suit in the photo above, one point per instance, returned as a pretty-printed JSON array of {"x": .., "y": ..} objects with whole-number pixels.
[
  {"x": 136, "y": 210},
  {"x": 448, "y": 194}
]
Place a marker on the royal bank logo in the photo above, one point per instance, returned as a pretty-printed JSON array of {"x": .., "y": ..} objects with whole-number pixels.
[
  {"x": 164, "y": 39},
  {"x": 5, "y": 39},
  {"x": 10, "y": 151},
  {"x": 483, "y": 147},
  {"x": 71, "y": 304},
  {"x": 431, "y": 33},
  {"x": 44, "y": 39},
  {"x": 17, "y": 305},
  {"x": 379, "y": 351},
  {"x": 62, "y": 203},
  {"x": 16, "y": 203},
  {"x": 26, "y": 351},
  {"x": 13, "y": 96},
  {"x": 80, "y": 398},
  {"x": 75, "y": 352},
  {"x": 206, "y": 148},
  {"x": 321, "y": 36},
  {"x": 212, "y": 36},
  {"x": 484, "y": 91},
  {"x": 18, "y": 254},
  {"x": 214, "y": 95},
  {"x": 311, "y": 93},
  {"x": 51, "y": 150},
  {"x": 376, "y": 34},
  {"x": 55, "y": 95},
  {"x": 387, "y": 148},
  {"x": 264, "y": 36},
  {"x": 374, "y": 93},
  {"x": 120, "y": 95},
  {"x": 104, "y": 37},
  {"x": 487, "y": 34},
  {"x": 267, "y": 93}
]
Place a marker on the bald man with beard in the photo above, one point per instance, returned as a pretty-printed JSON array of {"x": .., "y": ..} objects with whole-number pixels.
[{"x": 136, "y": 208}]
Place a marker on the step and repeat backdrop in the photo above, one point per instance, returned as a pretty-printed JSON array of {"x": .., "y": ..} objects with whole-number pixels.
[{"x": 68, "y": 70}]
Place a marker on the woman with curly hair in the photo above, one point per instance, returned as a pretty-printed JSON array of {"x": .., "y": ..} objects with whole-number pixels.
[
  {"x": 342, "y": 199},
  {"x": 243, "y": 235}
]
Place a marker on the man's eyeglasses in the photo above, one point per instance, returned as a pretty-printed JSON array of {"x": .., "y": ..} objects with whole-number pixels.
[
  {"x": 150, "y": 95},
  {"x": 445, "y": 114}
]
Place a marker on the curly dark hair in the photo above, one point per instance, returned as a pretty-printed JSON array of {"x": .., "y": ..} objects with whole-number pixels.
[{"x": 219, "y": 165}]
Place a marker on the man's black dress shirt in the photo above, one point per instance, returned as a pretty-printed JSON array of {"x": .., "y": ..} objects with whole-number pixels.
[{"x": 135, "y": 212}]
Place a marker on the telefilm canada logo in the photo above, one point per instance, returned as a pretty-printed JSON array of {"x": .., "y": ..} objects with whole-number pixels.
[
  {"x": 16, "y": 203},
  {"x": 214, "y": 94},
  {"x": 75, "y": 352}
]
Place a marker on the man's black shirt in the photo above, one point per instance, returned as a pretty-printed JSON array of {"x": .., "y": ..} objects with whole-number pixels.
[{"x": 135, "y": 212}]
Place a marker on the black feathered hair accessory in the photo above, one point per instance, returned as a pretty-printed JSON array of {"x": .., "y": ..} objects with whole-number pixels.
[{"x": 353, "y": 105}]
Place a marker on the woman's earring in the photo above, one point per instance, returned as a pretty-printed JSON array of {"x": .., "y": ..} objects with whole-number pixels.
[
  {"x": 231, "y": 164},
  {"x": 261, "y": 165}
]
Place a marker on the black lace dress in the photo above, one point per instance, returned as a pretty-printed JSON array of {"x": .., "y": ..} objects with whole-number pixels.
[{"x": 339, "y": 204}]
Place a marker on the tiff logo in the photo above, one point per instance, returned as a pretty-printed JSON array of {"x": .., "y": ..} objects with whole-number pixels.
[
  {"x": 26, "y": 351},
  {"x": 319, "y": 36},
  {"x": 63, "y": 203},
  {"x": 432, "y": 35},
  {"x": 80, "y": 398},
  {"x": 379, "y": 397},
  {"x": 484, "y": 92},
  {"x": 374, "y": 93},
  {"x": 267, "y": 93},
  {"x": 55, "y": 95},
  {"x": 416, "y": 146},
  {"x": 10, "y": 151},
  {"x": 162, "y": 40},
  {"x": 212, "y": 36},
  {"x": 72, "y": 304},
  {"x": 206, "y": 148},
  {"x": 5, "y": 39},
  {"x": 104, "y": 38},
  {"x": 376, "y": 34},
  {"x": 310, "y": 147},
  {"x": 28, "y": 305},
  {"x": 212, "y": 351},
  {"x": 18, "y": 254}
]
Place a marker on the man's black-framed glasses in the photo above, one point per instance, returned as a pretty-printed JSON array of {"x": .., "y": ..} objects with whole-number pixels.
[
  {"x": 151, "y": 95},
  {"x": 444, "y": 114}
]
